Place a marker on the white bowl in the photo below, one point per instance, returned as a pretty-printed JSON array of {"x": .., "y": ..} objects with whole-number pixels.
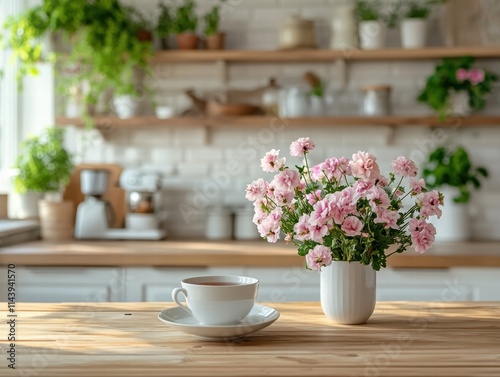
[{"x": 164, "y": 112}]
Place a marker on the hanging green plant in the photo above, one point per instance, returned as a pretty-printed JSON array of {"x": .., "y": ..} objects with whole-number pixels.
[{"x": 104, "y": 38}]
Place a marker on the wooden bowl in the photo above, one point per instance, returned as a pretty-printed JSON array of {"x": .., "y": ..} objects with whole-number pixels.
[{"x": 230, "y": 109}]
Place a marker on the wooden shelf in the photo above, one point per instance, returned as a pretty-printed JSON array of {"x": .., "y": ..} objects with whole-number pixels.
[
  {"x": 111, "y": 123},
  {"x": 313, "y": 55}
]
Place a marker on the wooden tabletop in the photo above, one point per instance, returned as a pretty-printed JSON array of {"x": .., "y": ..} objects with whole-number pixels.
[
  {"x": 127, "y": 339},
  {"x": 230, "y": 253}
]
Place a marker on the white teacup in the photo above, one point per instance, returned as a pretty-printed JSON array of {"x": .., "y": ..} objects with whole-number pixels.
[{"x": 218, "y": 300}]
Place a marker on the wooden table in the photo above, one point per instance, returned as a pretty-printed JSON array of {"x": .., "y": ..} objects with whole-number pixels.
[{"x": 127, "y": 339}]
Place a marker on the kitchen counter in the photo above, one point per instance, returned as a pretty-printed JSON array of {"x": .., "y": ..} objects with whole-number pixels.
[
  {"x": 230, "y": 253},
  {"x": 127, "y": 339}
]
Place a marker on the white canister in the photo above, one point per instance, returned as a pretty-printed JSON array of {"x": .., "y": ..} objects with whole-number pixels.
[
  {"x": 376, "y": 100},
  {"x": 414, "y": 32},
  {"x": 244, "y": 228},
  {"x": 372, "y": 35},
  {"x": 219, "y": 224},
  {"x": 126, "y": 106},
  {"x": 344, "y": 29},
  {"x": 294, "y": 102}
]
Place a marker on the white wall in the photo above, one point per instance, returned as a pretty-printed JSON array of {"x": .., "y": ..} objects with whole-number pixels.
[{"x": 190, "y": 157}]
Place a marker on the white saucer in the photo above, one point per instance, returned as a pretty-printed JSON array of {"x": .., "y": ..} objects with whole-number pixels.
[{"x": 261, "y": 316}]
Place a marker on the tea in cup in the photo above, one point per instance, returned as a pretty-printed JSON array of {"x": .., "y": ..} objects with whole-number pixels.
[{"x": 218, "y": 300}]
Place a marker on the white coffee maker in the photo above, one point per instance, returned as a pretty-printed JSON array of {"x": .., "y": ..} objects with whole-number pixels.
[{"x": 94, "y": 215}]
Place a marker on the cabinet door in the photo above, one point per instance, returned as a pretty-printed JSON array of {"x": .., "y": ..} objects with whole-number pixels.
[
  {"x": 69, "y": 284},
  {"x": 286, "y": 284},
  {"x": 424, "y": 285},
  {"x": 151, "y": 284}
]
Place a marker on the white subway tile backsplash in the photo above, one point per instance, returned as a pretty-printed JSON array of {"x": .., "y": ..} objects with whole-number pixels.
[
  {"x": 204, "y": 154},
  {"x": 150, "y": 136},
  {"x": 189, "y": 136},
  {"x": 166, "y": 154},
  {"x": 192, "y": 169},
  {"x": 165, "y": 168}
]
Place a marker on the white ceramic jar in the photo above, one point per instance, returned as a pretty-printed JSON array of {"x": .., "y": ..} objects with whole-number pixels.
[
  {"x": 376, "y": 100},
  {"x": 414, "y": 32},
  {"x": 344, "y": 29},
  {"x": 244, "y": 228},
  {"x": 372, "y": 35},
  {"x": 219, "y": 224},
  {"x": 294, "y": 102}
]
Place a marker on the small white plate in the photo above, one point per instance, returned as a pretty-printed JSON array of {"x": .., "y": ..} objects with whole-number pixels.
[{"x": 260, "y": 316}]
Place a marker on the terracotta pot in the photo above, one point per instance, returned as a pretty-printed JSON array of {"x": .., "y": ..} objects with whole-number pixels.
[
  {"x": 56, "y": 220},
  {"x": 215, "y": 41},
  {"x": 187, "y": 41},
  {"x": 144, "y": 35}
]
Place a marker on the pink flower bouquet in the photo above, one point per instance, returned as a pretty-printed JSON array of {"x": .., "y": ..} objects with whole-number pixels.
[{"x": 342, "y": 209}]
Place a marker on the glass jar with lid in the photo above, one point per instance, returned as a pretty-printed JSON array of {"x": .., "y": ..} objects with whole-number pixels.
[{"x": 376, "y": 100}]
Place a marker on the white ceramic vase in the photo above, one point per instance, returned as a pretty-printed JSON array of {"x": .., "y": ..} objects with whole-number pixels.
[
  {"x": 126, "y": 106},
  {"x": 348, "y": 292},
  {"x": 24, "y": 206},
  {"x": 372, "y": 35},
  {"x": 454, "y": 224},
  {"x": 344, "y": 29},
  {"x": 458, "y": 103},
  {"x": 414, "y": 32}
]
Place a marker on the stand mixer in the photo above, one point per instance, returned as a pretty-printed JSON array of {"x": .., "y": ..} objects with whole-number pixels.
[{"x": 94, "y": 215}]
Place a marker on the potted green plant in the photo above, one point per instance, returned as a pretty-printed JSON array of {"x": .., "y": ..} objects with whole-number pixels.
[
  {"x": 456, "y": 88},
  {"x": 105, "y": 39},
  {"x": 374, "y": 21},
  {"x": 185, "y": 25},
  {"x": 164, "y": 25},
  {"x": 414, "y": 22},
  {"x": 452, "y": 172},
  {"x": 45, "y": 166},
  {"x": 214, "y": 38}
]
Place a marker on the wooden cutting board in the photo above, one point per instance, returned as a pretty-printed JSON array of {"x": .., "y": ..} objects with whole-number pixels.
[{"x": 114, "y": 193}]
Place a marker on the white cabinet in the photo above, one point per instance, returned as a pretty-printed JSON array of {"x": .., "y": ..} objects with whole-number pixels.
[
  {"x": 286, "y": 284},
  {"x": 442, "y": 285},
  {"x": 69, "y": 284},
  {"x": 151, "y": 284}
]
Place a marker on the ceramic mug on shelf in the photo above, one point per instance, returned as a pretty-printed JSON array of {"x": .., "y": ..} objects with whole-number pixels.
[{"x": 218, "y": 300}]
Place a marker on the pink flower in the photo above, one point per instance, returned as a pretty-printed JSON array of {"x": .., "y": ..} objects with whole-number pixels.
[
  {"x": 270, "y": 226},
  {"x": 352, "y": 226},
  {"x": 476, "y": 76},
  {"x": 382, "y": 181},
  {"x": 318, "y": 257},
  {"x": 364, "y": 166},
  {"x": 271, "y": 162},
  {"x": 398, "y": 193},
  {"x": 301, "y": 228},
  {"x": 313, "y": 197},
  {"x": 417, "y": 185},
  {"x": 256, "y": 190},
  {"x": 388, "y": 218},
  {"x": 322, "y": 212},
  {"x": 317, "y": 232},
  {"x": 429, "y": 204},
  {"x": 462, "y": 74},
  {"x": 361, "y": 188},
  {"x": 378, "y": 198},
  {"x": 317, "y": 172},
  {"x": 286, "y": 180},
  {"x": 301, "y": 146},
  {"x": 422, "y": 235},
  {"x": 404, "y": 167},
  {"x": 282, "y": 198}
]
